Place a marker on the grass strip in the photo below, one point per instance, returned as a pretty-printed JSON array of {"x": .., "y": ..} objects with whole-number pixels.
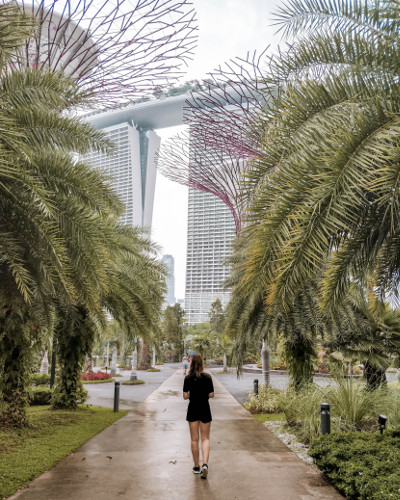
[
  {"x": 52, "y": 435},
  {"x": 269, "y": 417},
  {"x": 132, "y": 382}
]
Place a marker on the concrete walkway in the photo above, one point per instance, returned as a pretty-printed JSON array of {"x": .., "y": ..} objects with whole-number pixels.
[{"x": 146, "y": 455}]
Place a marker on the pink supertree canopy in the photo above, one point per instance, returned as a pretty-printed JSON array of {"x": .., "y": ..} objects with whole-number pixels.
[
  {"x": 122, "y": 49},
  {"x": 222, "y": 136}
]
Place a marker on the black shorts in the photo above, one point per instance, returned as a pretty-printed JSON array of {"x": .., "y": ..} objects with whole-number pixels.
[{"x": 202, "y": 413}]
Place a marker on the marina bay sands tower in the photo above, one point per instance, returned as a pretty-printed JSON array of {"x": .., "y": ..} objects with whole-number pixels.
[
  {"x": 133, "y": 172},
  {"x": 132, "y": 166}
]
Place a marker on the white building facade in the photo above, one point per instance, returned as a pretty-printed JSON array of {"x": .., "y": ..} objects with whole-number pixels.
[
  {"x": 132, "y": 170},
  {"x": 211, "y": 231},
  {"x": 169, "y": 263}
]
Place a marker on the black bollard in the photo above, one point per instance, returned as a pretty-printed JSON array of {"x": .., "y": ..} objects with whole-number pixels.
[
  {"x": 116, "y": 397},
  {"x": 255, "y": 386},
  {"x": 325, "y": 418}
]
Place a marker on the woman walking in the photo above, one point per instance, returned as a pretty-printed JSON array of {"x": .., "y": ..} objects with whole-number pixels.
[{"x": 198, "y": 388}]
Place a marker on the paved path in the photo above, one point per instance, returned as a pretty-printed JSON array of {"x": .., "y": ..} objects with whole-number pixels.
[
  {"x": 130, "y": 395},
  {"x": 146, "y": 455}
]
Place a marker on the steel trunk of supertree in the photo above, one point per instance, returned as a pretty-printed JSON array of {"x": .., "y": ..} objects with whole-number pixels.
[
  {"x": 222, "y": 137},
  {"x": 121, "y": 50}
]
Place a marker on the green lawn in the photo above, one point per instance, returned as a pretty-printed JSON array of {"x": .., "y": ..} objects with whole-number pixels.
[
  {"x": 268, "y": 417},
  {"x": 52, "y": 435}
]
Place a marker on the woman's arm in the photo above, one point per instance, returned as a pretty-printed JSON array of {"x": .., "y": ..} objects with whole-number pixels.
[
  {"x": 211, "y": 395},
  {"x": 185, "y": 395}
]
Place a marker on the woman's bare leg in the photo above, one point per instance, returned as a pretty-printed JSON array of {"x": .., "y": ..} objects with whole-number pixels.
[
  {"x": 194, "y": 441},
  {"x": 205, "y": 440}
]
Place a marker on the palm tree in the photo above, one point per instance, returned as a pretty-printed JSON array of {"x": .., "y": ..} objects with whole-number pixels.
[
  {"x": 135, "y": 286},
  {"x": 250, "y": 319},
  {"x": 50, "y": 231},
  {"x": 63, "y": 256},
  {"x": 326, "y": 191},
  {"x": 367, "y": 329}
]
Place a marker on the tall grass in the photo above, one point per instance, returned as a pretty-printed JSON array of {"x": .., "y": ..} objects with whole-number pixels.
[
  {"x": 301, "y": 409},
  {"x": 353, "y": 408}
]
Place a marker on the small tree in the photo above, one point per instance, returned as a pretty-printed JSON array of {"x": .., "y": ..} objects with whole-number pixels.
[{"x": 172, "y": 327}]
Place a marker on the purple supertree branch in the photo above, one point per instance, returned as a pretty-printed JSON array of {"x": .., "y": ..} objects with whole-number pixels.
[
  {"x": 204, "y": 168},
  {"x": 226, "y": 110},
  {"x": 222, "y": 139},
  {"x": 121, "y": 50}
]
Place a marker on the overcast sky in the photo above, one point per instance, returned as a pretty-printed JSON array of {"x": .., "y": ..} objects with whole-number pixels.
[{"x": 227, "y": 29}]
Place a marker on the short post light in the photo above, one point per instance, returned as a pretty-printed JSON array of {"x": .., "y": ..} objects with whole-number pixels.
[
  {"x": 382, "y": 422},
  {"x": 325, "y": 418},
  {"x": 255, "y": 386},
  {"x": 116, "y": 397}
]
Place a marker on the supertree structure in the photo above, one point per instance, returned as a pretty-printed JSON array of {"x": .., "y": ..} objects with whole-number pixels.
[
  {"x": 121, "y": 49},
  {"x": 221, "y": 138}
]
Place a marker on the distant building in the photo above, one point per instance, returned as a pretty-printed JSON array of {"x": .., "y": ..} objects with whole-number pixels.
[
  {"x": 211, "y": 231},
  {"x": 169, "y": 262}
]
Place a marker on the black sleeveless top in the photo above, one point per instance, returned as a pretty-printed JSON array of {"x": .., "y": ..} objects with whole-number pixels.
[{"x": 198, "y": 388}]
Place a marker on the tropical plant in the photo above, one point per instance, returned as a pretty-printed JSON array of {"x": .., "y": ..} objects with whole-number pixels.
[
  {"x": 172, "y": 327},
  {"x": 325, "y": 192},
  {"x": 367, "y": 329}
]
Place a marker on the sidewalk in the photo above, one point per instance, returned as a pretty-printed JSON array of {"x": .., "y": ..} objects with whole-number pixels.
[{"x": 146, "y": 455}]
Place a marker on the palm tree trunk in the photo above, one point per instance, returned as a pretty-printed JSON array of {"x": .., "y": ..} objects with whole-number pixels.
[
  {"x": 144, "y": 358},
  {"x": 16, "y": 361},
  {"x": 265, "y": 364},
  {"x": 374, "y": 375}
]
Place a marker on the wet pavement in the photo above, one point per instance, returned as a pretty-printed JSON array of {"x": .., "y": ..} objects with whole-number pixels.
[{"x": 146, "y": 455}]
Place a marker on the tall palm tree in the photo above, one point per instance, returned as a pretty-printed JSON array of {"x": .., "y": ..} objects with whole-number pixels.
[
  {"x": 327, "y": 189},
  {"x": 53, "y": 211},
  {"x": 135, "y": 287},
  {"x": 250, "y": 319}
]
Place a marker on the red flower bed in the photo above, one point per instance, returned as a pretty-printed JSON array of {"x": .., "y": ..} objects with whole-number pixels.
[{"x": 95, "y": 376}]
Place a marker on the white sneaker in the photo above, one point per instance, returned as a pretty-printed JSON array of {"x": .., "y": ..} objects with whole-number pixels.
[{"x": 204, "y": 471}]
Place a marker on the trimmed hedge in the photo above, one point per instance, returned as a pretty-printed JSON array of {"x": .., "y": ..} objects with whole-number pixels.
[
  {"x": 40, "y": 395},
  {"x": 361, "y": 466}
]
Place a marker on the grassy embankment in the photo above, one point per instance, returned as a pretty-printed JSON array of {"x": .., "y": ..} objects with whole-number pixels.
[{"x": 52, "y": 435}]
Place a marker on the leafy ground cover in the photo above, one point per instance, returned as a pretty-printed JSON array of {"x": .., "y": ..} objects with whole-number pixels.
[
  {"x": 95, "y": 376},
  {"x": 28, "y": 452},
  {"x": 132, "y": 382},
  {"x": 361, "y": 465}
]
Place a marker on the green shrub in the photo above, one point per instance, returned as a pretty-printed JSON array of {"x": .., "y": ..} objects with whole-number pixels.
[
  {"x": 361, "y": 465},
  {"x": 101, "y": 381},
  {"x": 266, "y": 401},
  {"x": 390, "y": 405},
  {"x": 40, "y": 395},
  {"x": 153, "y": 370},
  {"x": 40, "y": 379}
]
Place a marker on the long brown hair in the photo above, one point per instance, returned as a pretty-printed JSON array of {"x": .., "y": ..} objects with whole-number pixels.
[{"x": 196, "y": 365}]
